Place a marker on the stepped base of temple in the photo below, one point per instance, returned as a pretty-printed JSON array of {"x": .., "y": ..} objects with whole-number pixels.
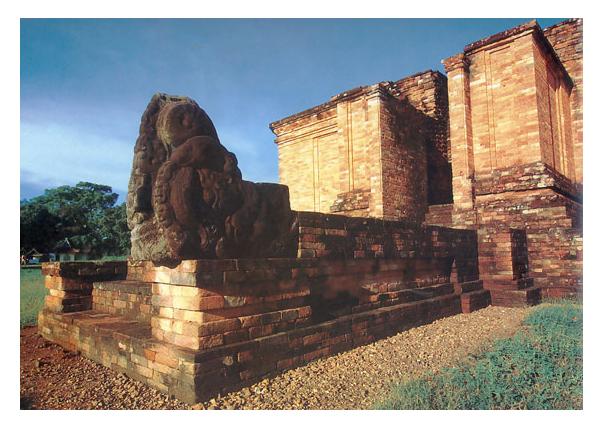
[
  {"x": 194, "y": 341},
  {"x": 128, "y": 346}
]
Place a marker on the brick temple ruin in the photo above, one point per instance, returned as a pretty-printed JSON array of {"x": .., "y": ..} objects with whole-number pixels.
[
  {"x": 496, "y": 146},
  {"x": 400, "y": 203}
]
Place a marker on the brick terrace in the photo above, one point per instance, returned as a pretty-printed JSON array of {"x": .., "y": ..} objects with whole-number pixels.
[{"x": 210, "y": 326}]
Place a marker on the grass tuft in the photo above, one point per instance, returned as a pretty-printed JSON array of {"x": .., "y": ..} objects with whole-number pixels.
[{"x": 539, "y": 368}]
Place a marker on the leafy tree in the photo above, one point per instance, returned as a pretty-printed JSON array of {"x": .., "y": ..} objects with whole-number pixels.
[
  {"x": 85, "y": 214},
  {"x": 40, "y": 229},
  {"x": 114, "y": 231}
]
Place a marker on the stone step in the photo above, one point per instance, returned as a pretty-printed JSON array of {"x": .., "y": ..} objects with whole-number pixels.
[
  {"x": 516, "y": 298},
  {"x": 506, "y": 284},
  {"x": 125, "y": 286},
  {"x": 126, "y": 298},
  {"x": 475, "y": 300},
  {"x": 438, "y": 219},
  {"x": 402, "y": 296},
  {"x": 471, "y": 286},
  {"x": 126, "y": 346}
]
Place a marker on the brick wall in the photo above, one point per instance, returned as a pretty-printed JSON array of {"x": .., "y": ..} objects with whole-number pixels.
[
  {"x": 427, "y": 93},
  {"x": 124, "y": 298},
  {"x": 403, "y": 161},
  {"x": 70, "y": 284},
  {"x": 504, "y": 111},
  {"x": 556, "y": 262},
  {"x": 508, "y": 107},
  {"x": 297, "y": 158},
  {"x": 461, "y": 141},
  {"x": 567, "y": 39},
  {"x": 518, "y": 96},
  {"x": 554, "y": 115},
  {"x": 379, "y": 150},
  {"x": 330, "y": 153},
  {"x": 341, "y": 237}
]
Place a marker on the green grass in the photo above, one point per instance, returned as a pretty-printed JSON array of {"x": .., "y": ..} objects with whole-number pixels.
[
  {"x": 541, "y": 367},
  {"x": 32, "y": 295},
  {"x": 114, "y": 258}
]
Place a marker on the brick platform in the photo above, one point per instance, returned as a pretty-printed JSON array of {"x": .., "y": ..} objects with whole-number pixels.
[
  {"x": 206, "y": 327},
  {"x": 128, "y": 346}
]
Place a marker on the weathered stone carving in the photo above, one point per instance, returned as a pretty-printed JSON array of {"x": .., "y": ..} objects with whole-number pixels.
[{"x": 186, "y": 197}]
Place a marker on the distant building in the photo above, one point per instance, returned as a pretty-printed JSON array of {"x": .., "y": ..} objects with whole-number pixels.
[
  {"x": 64, "y": 251},
  {"x": 33, "y": 256}
]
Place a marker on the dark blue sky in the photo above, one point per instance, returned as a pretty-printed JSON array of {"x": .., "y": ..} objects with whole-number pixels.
[{"x": 85, "y": 83}]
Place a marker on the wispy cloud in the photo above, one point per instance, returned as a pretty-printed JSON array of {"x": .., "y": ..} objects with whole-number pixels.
[
  {"x": 54, "y": 154},
  {"x": 63, "y": 153}
]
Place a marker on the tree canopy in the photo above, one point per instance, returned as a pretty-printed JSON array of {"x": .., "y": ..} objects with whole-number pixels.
[{"x": 85, "y": 214}]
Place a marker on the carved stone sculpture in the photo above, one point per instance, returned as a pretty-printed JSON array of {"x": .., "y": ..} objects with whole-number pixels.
[{"x": 186, "y": 197}]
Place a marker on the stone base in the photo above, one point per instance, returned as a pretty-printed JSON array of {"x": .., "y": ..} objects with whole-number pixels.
[
  {"x": 124, "y": 345},
  {"x": 128, "y": 346},
  {"x": 472, "y": 296},
  {"x": 206, "y": 327},
  {"x": 529, "y": 223},
  {"x": 517, "y": 293},
  {"x": 516, "y": 298},
  {"x": 476, "y": 300}
]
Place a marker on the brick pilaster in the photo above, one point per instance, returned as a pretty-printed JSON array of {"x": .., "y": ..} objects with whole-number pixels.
[{"x": 460, "y": 126}]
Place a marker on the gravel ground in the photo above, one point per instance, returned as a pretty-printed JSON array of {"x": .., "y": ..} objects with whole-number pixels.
[{"x": 55, "y": 379}]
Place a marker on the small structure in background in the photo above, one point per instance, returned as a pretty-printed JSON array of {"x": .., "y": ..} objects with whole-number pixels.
[
  {"x": 33, "y": 256},
  {"x": 65, "y": 252}
]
